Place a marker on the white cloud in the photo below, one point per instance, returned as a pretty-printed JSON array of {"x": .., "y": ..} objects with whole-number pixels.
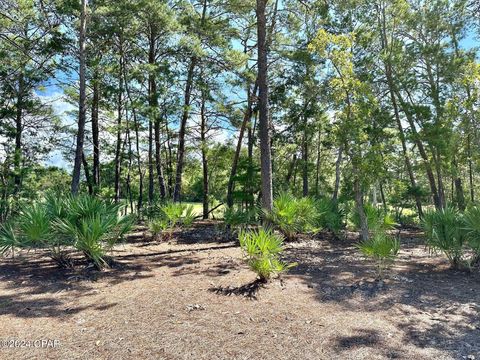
[{"x": 59, "y": 104}]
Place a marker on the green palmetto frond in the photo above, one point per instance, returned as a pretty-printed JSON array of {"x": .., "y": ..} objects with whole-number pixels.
[
  {"x": 382, "y": 248},
  {"x": 9, "y": 239},
  {"x": 262, "y": 248},
  {"x": 293, "y": 215},
  {"x": 444, "y": 232},
  {"x": 471, "y": 225}
]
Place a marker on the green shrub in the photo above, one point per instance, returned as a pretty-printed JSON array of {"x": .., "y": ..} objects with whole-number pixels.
[
  {"x": 89, "y": 235},
  {"x": 377, "y": 220},
  {"x": 234, "y": 218},
  {"x": 88, "y": 224},
  {"x": 158, "y": 227},
  {"x": 169, "y": 216},
  {"x": 189, "y": 216},
  {"x": 471, "y": 225},
  {"x": 172, "y": 212},
  {"x": 381, "y": 248},
  {"x": 262, "y": 249},
  {"x": 293, "y": 215},
  {"x": 445, "y": 232},
  {"x": 329, "y": 215},
  {"x": 8, "y": 239}
]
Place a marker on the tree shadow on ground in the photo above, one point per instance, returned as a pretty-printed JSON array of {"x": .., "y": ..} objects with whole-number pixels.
[{"x": 434, "y": 305}]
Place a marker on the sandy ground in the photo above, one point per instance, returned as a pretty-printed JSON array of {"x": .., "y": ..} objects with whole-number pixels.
[{"x": 158, "y": 303}]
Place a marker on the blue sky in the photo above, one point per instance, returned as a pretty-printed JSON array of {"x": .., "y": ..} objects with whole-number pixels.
[{"x": 52, "y": 93}]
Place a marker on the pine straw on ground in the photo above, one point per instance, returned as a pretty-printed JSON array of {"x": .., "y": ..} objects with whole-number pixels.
[{"x": 157, "y": 303}]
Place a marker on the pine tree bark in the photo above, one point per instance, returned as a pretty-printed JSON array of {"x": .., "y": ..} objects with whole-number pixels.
[
  {"x": 82, "y": 100},
  {"x": 305, "y": 156},
  {"x": 338, "y": 163},
  {"x": 203, "y": 131},
  {"x": 155, "y": 122},
  {"x": 181, "y": 134},
  {"x": 18, "y": 136},
  {"x": 421, "y": 150},
  {"x": 95, "y": 133},
  {"x": 177, "y": 192},
  {"x": 118, "y": 148},
  {"x": 265, "y": 150},
  {"x": 87, "y": 174},
  {"x": 317, "y": 172},
  {"x": 360, "y": 209}
]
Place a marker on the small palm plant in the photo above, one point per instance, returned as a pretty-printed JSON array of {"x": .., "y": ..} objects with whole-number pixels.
[
  {"x": 8, "y": 239},
  {"x": 444, "y": 232},
  {"x": 471, "y": 225},
  {"x": 382, "y": 248},
  {"x": 84, "y": 222},
  {"x": 235, "y": 219},
  {"x": 292, "y": 215},
  {"x": 262, "y": 248},
  {"x": 90, "y": 235},
  {"x": 330, "y": 216},
  {"x": 377, "y": 219},
  {"x": 169, "y": 216},
  {"x": 172, "y": 212},
  {"x": 157, "y": 227},
  {"x": 189, "y": 217}
]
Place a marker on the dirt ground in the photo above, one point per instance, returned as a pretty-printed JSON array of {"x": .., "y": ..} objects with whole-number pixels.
[{"x": 159, "y": 302}]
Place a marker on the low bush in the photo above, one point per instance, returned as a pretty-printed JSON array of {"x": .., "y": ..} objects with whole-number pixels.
[
  {"x": 293, "y": 215},
  {"x": 86, "y": 223},
  {"x": 377, "y": 220},
  {"x": 381, "y": 248},
  {"x": 445, "y": 232},
  {"x": 329, "y": 215},
  {"x": 235, "y": 218},
  {"x": 471, "y": 225},
  {"x": 262, "y": 248},
  {"x": 170, "y": 215},
  {"x": 189, "y": 217}
]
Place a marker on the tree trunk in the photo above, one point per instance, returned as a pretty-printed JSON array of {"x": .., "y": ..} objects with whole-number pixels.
[
  {"x": 177, "y": 192},
  {"x": 137, "y": 145},
  {"x": 150, "y": 163},
  {"x": 391, "y": 87},
  {"x": 338, "y": 163},
  {"x": 169, "y": 161},
  {"x": 317, "y": 172},
  {"x": 360, "y": 209},
  {"x": 265, "y": 150},
  {"x": 82, "y": 100},
  {"x": 401, "y": 133},
  {"x": 95, "y": 133},
  {"x": 18, "y": 136},
  {"x": 158, "y": 160},
  {"x": 87, "y": 174},
  {"x": 246, "y": 119},
  {"x": 118, "y": 165},
  {"x": 421, "y": 150},
  {"x": 459, "y": 194},
  {"x": 203, "y": 130},
  {"x": 291, "y": 169},
  {"x": 305, "y": 157},
  {"x": 155, "y": 120},
  {"x": 181, "y": 134},
  {"x": 470, "y": 169}
]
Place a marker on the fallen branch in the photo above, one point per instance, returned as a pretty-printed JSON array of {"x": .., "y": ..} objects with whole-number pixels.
[{"x": 215, "y": 208}]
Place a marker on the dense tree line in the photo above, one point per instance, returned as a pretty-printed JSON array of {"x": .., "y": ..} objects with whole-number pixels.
[{"x": 233, "y": 101}]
